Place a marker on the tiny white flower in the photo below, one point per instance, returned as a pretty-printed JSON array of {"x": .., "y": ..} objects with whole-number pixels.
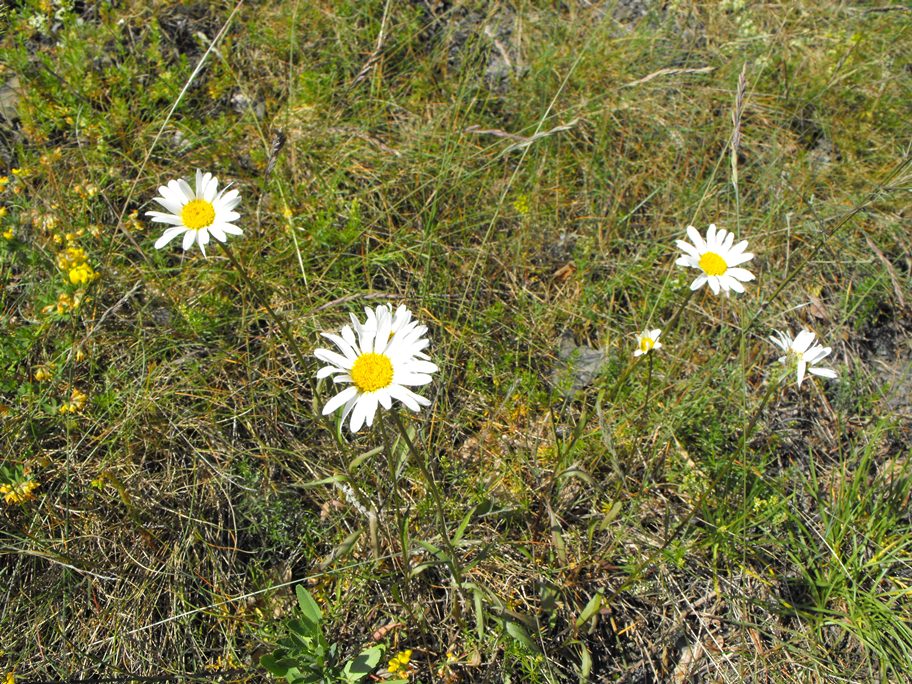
[
  {"x": 804, "y": 352},
  {"x": 647, "y": 341},
  {"x": 196, "y": 213},
  {"x": 718, "y": 257},
  {"x": 380, "y": 359}
]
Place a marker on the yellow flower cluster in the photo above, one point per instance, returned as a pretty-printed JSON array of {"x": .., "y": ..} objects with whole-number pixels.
[
  {"x": 65, "y": 303},
  {"x": 74, "y": 262},
  {"x": 521, "y": 204},
  {"x": 8, "y": 233},
  {"x": 44, "y": 372},
  {"x": 19, "y": 492},
  {"x": 399, "y": 663},
  {"x": 76, "y": 403},
  {"x": 87, "y": 191}
]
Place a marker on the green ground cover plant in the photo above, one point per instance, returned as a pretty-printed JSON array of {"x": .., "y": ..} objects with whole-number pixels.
[{"x": 610, "y": 455}]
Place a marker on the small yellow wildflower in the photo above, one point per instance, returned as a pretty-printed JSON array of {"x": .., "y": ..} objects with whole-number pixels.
[
  {"x": 48, "y": 222},
  {"x": 287, "y": 213},
  {"x": 521, "y": 204},
  {"x": 64, "y": 304},
  {"x": 44, "y": 373},
  {"x": 8, "y": 234},
  {"x": 18, "y": 172},
  {"x": 4, "y": 181},
  {"x": 399, "y": 663},
  {"x": 18, "y": 493},
  {"x": 10, "y": 678},
  {"x": 70, "y": 257},
  {"x": 76, "y": 403},
  {"x": 2, "y": 212},
  {"x": 82, "y": 274},
  {"x": 134, "y": 221}
]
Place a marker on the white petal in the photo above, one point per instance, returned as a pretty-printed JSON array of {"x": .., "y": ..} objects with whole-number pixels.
[
  {"x": 686, "y": 261},
  {"x": 741, "y": 274},
  {"x": 408, "y": 398},
  {"x": 738, "y": 259},
  {"x": 210, "y": 190},
  {"x": 370, "y": 408},
  {"x": 823, "y": 372},
  {"x": 385, "y": 398},
  {"x": 803, "y": 341},
  {"x": 169, "y": 235},
  {"x": 802, "y": 366},
  {"x": 687, "y": 248},
  {"x": 411, "y": 379},
  {"x": 711, "y": 236},
  {"x": 185, "y": 189},
  {"x": 339, "y": 399},
  {"x": 343, "y": 345},
  {"x": 231, "y": 229},
  {"x": 714, "y": 284},
  {"x": 217, "y": 232},
  {"x": 696, "y": 239},
  {"x": 737, "y": 249},
  {"x": 189, "y": 239},
  {"x": 359, "y": 414},
  {"x": 230, "y": 200},
  {"x": 326, "y": 371},
  {"x": 160, "y": 217},
  {"x": 780, "y": 341},
  {"x": 349, "y": 336},
  {"x": 172, "y": 205},
  {"x": 422, "y": 367},
  {"x": 334, "y": 358},
  {"x": 733, "y": 284},
  {"x": 699, "y": 281}
]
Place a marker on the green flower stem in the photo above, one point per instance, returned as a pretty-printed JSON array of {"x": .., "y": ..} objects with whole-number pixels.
[
  {"x": 455, "y": 567},
  {"x": 645, "y": 409},
  {"x": 391, "y": 460}
]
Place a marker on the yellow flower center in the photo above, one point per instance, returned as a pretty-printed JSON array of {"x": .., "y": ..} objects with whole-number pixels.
[
  {"x": 712, "y": 264},
  {"x": 646, "y": 344},
  {"x": 198, "y": 214},
  {"x": 371, "y": 372}
]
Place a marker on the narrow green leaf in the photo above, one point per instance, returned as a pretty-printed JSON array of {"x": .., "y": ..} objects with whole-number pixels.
[
  {"x": 309, "y": 607},
  {"x": 590, "y": 610},
  {"x": 363, "y": 664}
]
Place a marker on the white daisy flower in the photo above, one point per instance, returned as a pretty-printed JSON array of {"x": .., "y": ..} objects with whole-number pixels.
[
  {"x": 647, "y": 341},
  {"x": 380, "y": 359},
  {"x": 198, "y": 213},
  {"x": 717, "y": 258},
  {"x": 803, "y": 352}
]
